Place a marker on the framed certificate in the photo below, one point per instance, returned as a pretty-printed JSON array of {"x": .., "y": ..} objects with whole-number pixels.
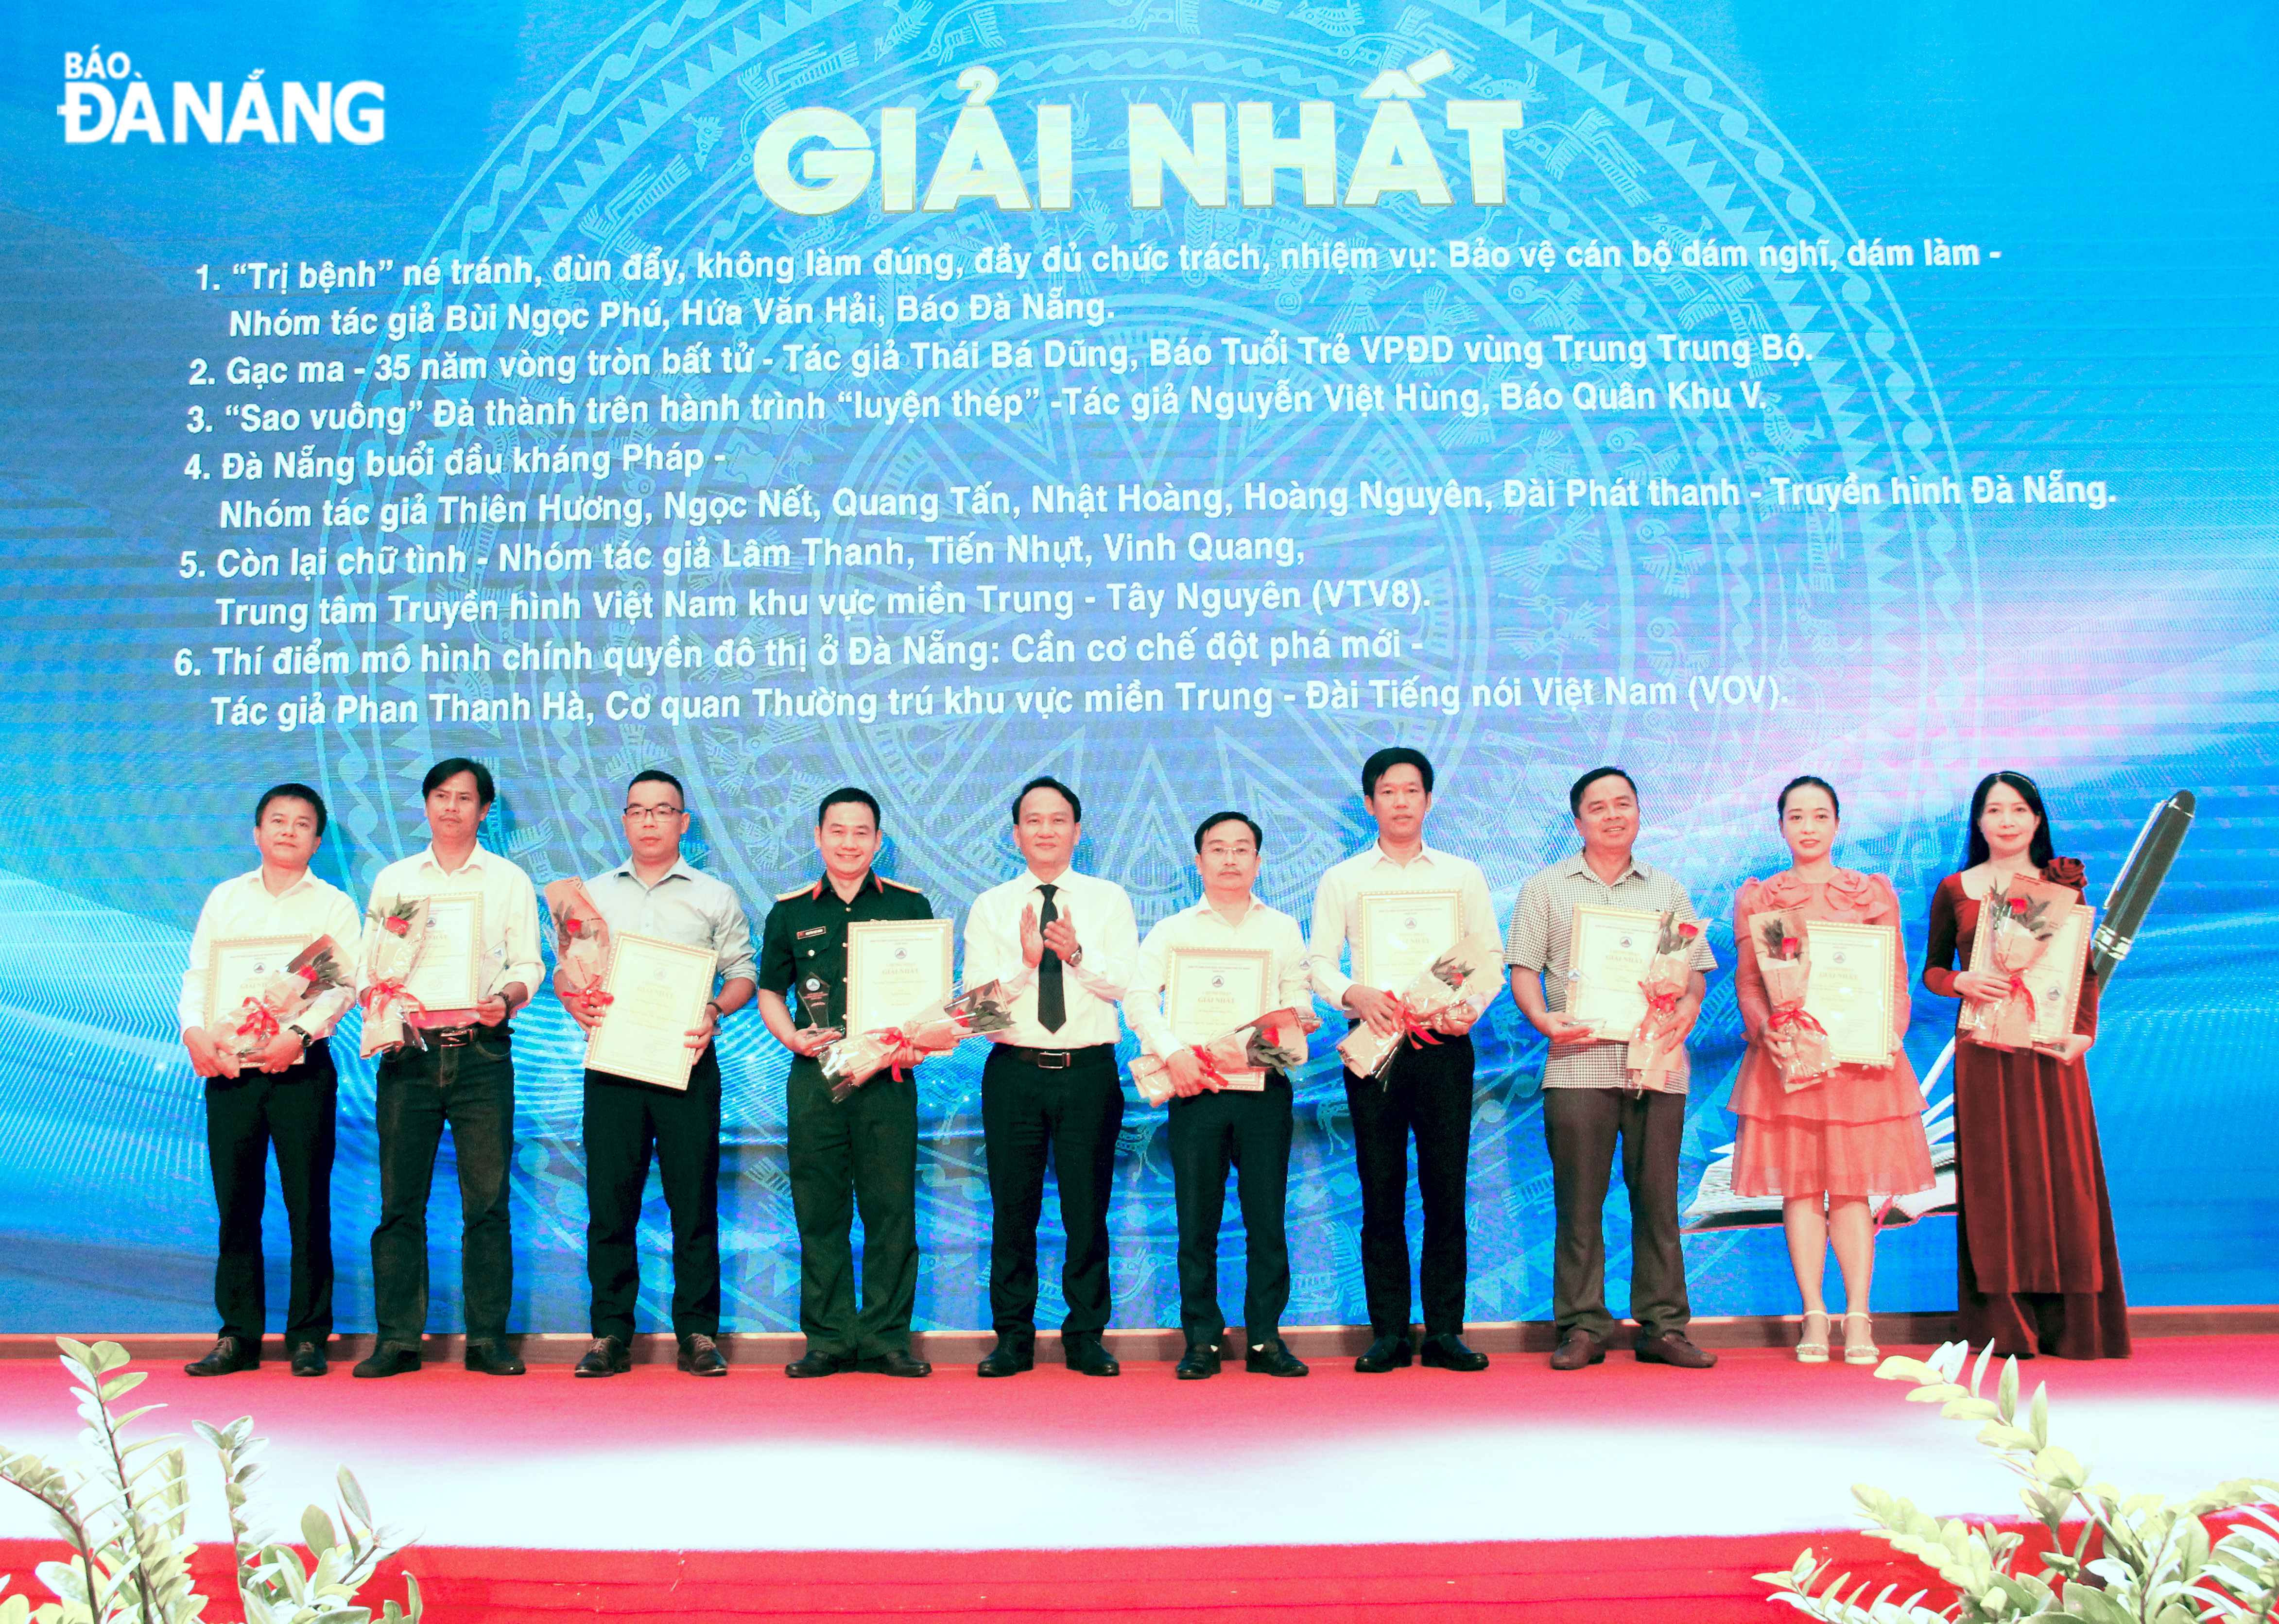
[
  {"x": 1399, "y": 933},
  {"x": 1850, "y": 990},
  {"x": 1209, "y": 992},
  {"x": 896, "y": 968},
  {"x": 1606, "y": 958},
  {"x": 448, "y": 973},
  {"x": 236, "y": 970},
  {"x": 2055, "y": 978},
  {"x": 657, "y": 992}
]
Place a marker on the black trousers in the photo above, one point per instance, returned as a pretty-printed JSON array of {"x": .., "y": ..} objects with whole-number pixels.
[
  {"x": 469, "y": 1088},
  {"x": 1251, "y": 1133},
  {"x": 1580, "y": 1125},
  {"x": 1074, "y": 1116},
  {"x": 625, "y": 1122},
  {"x": 1427, "y": 1092},
  {"x": 860, "y": 1154},
  {"x": 246, "y": 1114}
]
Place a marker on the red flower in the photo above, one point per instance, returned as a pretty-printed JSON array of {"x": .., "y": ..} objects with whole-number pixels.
[
  {"x": 2065, "y": 872},
  {"x": 397, "y": 927},
  {"x": 2018, "y": 906},
  {"x": 1689, "y": 929},
  {"x": 572, "y": 925},
  {"x": 1789, "y": 946}
]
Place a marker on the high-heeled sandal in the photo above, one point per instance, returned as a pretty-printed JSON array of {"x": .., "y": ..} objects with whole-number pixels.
[
  {"x": 1864, "y": 1351},
  {"x": 1808, "y": 1351}
]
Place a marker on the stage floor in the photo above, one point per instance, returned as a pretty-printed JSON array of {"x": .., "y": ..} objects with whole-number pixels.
[{"x": 655, "y": 1461}]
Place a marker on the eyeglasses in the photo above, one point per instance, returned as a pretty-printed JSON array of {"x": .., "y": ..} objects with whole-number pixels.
[{"x": 652, "y": 814}]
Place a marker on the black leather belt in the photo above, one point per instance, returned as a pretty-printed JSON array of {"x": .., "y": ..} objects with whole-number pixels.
[
  {"x": 451, "y": 1037},
  {"x": 1052, "y": 1060}
]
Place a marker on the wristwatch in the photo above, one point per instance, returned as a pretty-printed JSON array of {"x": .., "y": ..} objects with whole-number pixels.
[{"x": 293, "y": 1028}]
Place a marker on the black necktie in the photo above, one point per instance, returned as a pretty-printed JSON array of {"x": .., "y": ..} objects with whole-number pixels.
[{"x": 1052, "y": 1000}]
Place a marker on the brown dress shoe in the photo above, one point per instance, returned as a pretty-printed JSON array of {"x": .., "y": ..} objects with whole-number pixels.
[
  {"x": 1670, "y": 1347},
  {"x": 1577, "y": 1348}
]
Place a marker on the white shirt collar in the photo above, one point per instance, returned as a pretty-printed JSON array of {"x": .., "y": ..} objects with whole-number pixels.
[{"x": 474, "y": 860}]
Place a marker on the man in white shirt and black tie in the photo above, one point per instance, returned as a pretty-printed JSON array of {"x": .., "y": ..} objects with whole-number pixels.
[
  {"x": 1213, "y": 1125},
  {"x": 1050, "y": 1083},
  {"x": 284, "y": 1095},
  {"x": 1427, "y": 1089}
]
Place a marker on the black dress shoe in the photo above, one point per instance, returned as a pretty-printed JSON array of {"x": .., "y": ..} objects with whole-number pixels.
[
  {"x": 1272, "y": 1358},
  {"x": 901, "y": 1363},
  {"x": 492, "y": 1358},
  {"x": 1577, "y": 1348},
  {"x": 700, "y": 1355},
  {"x": 1389, "y": 1351},
  {"x": 815, "y": 1365},
  {"x": 1670, "y": 1347},
  {"x": 1199, "y": 1363},
  {"x": 607, "y": 1356},
  {"x": 389, "y": 1358},
  {"x": 1007, "y": 1358},
  {"x": 1087, "y": 1356},
  {"x": 309, "y": 1358},
  {"x": 1449, "y": 1352},
  {"x": 227, "y": 1357}
]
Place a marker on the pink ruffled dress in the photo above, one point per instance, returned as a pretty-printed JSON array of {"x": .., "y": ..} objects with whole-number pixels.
[{"x": 1856, "y": 1131}]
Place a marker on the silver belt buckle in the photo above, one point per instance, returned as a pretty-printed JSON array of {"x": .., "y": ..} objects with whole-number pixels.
[
  {"x": 1053, "y": 1060},
  {"x": 453, "y": 1036}
]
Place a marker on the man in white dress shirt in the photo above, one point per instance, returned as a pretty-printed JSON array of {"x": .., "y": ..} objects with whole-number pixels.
[
  {"x": 464, "y": 1078},
  {"x": 1050, "y": 1083},
  {"x": 284, "y": 1095},
  {"x": 1213, "y": 1126},
  {"x": 1428, "y": 1088},
  {"x": 655, "y": 893}
]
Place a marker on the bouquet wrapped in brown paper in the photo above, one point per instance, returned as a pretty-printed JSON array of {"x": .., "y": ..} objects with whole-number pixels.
[
  {"x": 1467, "y": 974},
  {"x": 581, "y": 946},
  {"x": 859, "y": 1056},
  {"x": 1655, "y": 1048},
  {"x": 393, "y": 938},
  {"x": 281, "y": 999},
  {"x": 1795, "y": 1040},
  {"x": 2022, "y": 920},
  {"x": 1271, "y": 1042}
]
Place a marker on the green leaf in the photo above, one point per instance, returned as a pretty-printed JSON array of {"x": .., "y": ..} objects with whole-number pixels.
[
  {"x": 352, "y": 1497},
  {"x": 1994, "y": 1435},
  {"x": 2037, "y": 1420},
  {"x": 2058, "y": 1468},
  {"x": 317, "y": 1530}
]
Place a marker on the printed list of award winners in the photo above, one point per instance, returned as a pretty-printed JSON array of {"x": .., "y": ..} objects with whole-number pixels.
[{"x": 580, "y": 490}]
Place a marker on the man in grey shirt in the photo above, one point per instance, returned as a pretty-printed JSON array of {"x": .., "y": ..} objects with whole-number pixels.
[{"x": 1589, "y": 1100}]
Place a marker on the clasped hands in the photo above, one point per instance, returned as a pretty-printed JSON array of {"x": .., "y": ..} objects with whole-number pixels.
[
  {"x": 1060, "y": 935},
  {"x": 1382, "y": 1010},
  {"x": 209, "y": 1058}
]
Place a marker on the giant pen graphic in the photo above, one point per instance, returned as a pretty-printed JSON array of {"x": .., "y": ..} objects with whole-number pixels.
[{"x": 2139, "y": 882}]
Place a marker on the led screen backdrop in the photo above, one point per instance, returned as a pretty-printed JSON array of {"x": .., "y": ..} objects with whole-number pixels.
[{"x": 1184, "y": 398}]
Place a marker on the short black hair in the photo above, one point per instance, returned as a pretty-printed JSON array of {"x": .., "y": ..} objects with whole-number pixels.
[
  {"x": 1257, "y": 835},
  {"x": 1385, "y": 759},
  {"x": 657, "y": 775},
  {"x": 848, "y": 796},
  {"x": 1076, "y": 806},
  {"x": 292, "y": 792},
  {"x": 451, "y": 767},
  {"x": 1575, "y": 790},
  {"x": 1805, "y": 780}
]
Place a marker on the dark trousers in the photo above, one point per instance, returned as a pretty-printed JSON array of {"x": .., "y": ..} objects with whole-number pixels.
[
  {"x": 245, "y": 1116},
  {"x": 624, "y": 1121},
  {"x": 1074, "y": 1115},
  {"x": 468, "y": 1086},
  {"x": 1580, "y": 1125},
  {"x": 1428, "y": 1093},
  {"x": 1250, "y": 1133},
  {"x": 860, "y": 1154}
]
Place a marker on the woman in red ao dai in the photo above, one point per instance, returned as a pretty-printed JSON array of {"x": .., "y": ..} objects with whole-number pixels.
[{"x": 1835, "y": 1152}]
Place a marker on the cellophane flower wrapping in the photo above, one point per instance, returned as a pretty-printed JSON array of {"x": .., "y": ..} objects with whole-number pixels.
[
  {"x": 1655, "y": 1049},
  {"x": 581, "y": 939},
  {"x": 1274, "y": 1041},
  {"x": 393, "y": 938},
  {"x": 859, "y": 1056},
  {"x": 280, "y": 1000},
  {"x": 2026, "y": 914},
  {"x": 1797, "y": 1042},
  {"x": 1468, "y": 974}
]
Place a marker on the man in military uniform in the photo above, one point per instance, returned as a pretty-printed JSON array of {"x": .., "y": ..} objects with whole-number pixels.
[{"x": 864, "y": 1149}]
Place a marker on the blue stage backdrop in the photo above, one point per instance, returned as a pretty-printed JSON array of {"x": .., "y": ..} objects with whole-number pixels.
[{"x": 1184, "y": 398}]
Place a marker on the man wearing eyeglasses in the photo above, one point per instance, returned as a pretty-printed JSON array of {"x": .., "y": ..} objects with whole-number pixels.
[{"x": 655, "y": 893}]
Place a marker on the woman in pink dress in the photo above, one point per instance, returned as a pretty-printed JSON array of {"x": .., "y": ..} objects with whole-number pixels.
[
  {"x": 2037, "y": 1267},
  {"x": 1838, "y": 1149}
]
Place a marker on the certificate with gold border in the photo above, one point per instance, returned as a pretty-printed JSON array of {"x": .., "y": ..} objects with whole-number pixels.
[
  {"x": 1849, "y": 991},
  {"x": 2055, "y": 980},
  {"x": 895, "y": 968},
  {"x": 446, "y": 975},
  {"x": 1209, "y": 992},
  {"x": 1398, "y": 934},
  {"x": 657, "y": 992},
  {"x": 238, "y": 968},
  {"x": 1606, "y": 956}
]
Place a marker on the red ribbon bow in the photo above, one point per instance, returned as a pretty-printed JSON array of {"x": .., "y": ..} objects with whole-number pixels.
[
  {"x": 1210, "y": 1069},
  {"x": 1659, "y": 1003},
  {"x": 1793, "y": 1015},
  {"x": 900, "y": 1040},
  {"x": 391, "y": 988},
  {"x": 1410, "y": 1026},
  {"x": 260, "y": 1025},
  {"x": 2019, "y": 989}
]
